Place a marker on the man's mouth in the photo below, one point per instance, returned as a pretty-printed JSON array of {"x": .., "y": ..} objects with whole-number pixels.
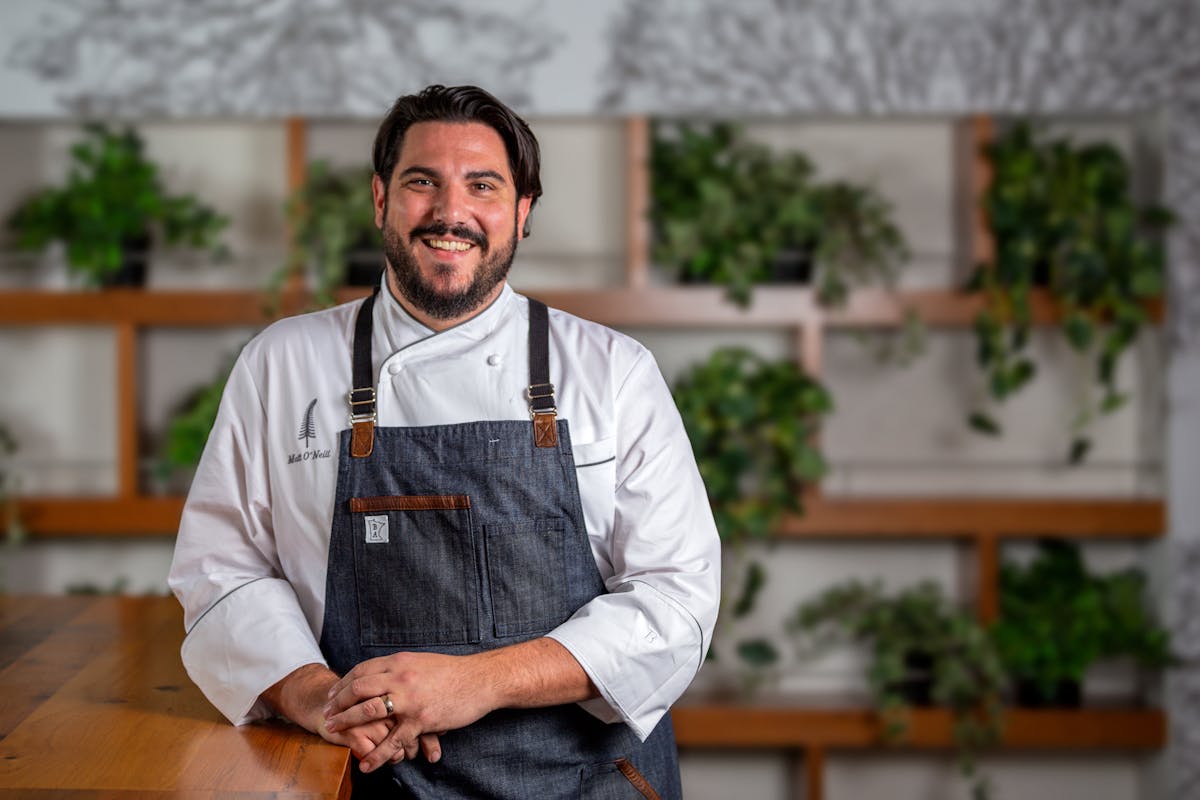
[{"x": 448, "y": 244}]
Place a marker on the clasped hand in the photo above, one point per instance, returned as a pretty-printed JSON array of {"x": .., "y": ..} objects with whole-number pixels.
[{"x": 430, "y": 694}]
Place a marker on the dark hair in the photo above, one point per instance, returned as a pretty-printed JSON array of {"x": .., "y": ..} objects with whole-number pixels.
[{"x": 439, "y": 103}]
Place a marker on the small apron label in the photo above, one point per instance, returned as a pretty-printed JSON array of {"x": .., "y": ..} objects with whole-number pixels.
[{"x": 377, "y": 529}]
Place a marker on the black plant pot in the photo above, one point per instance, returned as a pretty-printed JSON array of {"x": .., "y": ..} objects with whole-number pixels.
[
  {"x": 135, "y": 255},
  {"x": 916, "y": 687},
  {"x": 364, "y": 267},
  {"x": 1067, "y": 693},
  {"x": 794, "y": 265},
  {"x": 1041, "y": 274}
]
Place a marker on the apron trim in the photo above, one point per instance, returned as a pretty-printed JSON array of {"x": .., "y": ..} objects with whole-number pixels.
[
  {"x": 636, "y": 778},
  {"x": 421, "y": 502}
]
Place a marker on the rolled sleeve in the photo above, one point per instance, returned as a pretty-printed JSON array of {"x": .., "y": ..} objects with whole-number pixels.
[
  {"x": 640, "y": 650},
  {"x": 252, "y": 638},
  {"x": 643, "y": 641}
]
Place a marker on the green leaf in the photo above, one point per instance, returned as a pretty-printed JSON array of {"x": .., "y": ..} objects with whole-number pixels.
[
  {"x": 983, "y": 423},
  {"x": 1021, "y": 373},
  {"x": 752, "y": 585},
  {"x": 1078, "y": 330},
  {"x": 1147, "y": 283},
  {"x": 758, "y": 653},
  {"x": 1113, "y": 401},
  {"x": 1079, "y": 450}
]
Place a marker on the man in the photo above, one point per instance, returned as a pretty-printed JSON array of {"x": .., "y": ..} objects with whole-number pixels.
[{"x": 496, "y": 580}]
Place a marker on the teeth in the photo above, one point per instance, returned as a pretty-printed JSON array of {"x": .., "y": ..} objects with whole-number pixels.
[{"x": 442, "y": 244}]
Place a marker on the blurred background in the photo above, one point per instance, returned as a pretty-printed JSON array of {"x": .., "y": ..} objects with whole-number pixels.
[{"x": 924, "y": 276}]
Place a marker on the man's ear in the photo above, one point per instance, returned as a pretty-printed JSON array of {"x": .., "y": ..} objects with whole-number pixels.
[
  {"x": 524, "y": 204},
  {"x": 379, "y": 195}
]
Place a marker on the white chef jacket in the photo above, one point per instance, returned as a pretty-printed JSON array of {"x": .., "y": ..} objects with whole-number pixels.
[{"x": 252, "y": 553}]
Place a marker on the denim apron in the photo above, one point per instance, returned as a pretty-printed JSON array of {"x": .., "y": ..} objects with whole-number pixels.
[{"x": 461, "y": 538}]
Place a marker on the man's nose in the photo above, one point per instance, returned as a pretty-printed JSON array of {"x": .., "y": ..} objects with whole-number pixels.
[{"x": 450, "y": 204}]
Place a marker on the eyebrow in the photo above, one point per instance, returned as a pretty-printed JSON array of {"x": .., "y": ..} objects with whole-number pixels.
[
  {"x": 485, "y": 173},
  {"x": 474, "y": 175}
]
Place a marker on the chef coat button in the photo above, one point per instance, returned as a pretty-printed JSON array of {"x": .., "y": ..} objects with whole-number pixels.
[
  {"x": 494, "y": 360},
  {"x": 394, "y": 369}
]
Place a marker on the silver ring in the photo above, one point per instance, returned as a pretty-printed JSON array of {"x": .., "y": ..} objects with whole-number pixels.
[{"x": 387, "y": 704}]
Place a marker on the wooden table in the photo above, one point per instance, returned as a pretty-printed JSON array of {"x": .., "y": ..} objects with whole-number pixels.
[{"x": 95, "y": 704}]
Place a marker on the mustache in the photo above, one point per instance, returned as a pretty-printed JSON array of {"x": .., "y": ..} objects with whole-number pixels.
[{"x": 458, "y": 231}]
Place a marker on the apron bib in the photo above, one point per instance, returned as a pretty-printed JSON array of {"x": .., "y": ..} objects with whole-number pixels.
[{"x": 461, "y": 538}]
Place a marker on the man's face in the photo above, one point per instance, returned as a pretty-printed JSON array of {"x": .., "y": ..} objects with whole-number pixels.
[{"x": 450, "y": 218}]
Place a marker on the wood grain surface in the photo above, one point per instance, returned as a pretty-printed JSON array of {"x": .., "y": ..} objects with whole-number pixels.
[{"x": 94, "y": 703}]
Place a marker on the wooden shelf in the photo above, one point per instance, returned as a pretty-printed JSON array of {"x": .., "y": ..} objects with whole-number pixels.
[
  {"x": 141, "y": 307},
  {"x": 755, "y": 726},
  {"x": 919, "y": 517},
  {"x": 111, "y": 516},
  {"x": 1014, "y": 517},
  {"x": 670, "y": 307}
]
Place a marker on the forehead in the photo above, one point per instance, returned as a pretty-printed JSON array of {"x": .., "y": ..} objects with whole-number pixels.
[{"x": 453, "y": 147}]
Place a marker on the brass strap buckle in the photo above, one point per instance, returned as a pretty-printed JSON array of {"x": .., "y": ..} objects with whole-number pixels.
[
  {"x": 540, "y": 391},
  {"x": 361, "y": 397}
]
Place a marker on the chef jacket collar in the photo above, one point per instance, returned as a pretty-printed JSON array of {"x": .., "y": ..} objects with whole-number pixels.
[{"x": 400, "y": 329}]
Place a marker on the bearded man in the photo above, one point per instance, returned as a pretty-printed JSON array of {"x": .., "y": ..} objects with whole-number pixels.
[{"x": 488, "y": 566}]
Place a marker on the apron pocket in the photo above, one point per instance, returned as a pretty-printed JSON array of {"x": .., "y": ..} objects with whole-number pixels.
[
  {"x": 414, "y": 559},
  {"x": 527, "y": 576}
]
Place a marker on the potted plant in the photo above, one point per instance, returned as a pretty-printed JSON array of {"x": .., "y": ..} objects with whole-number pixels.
[
  {"x": 1057, "y": 619},
  {"x": 334, "y": 235},
  {"x": 752, "y": 424},
  {"x": 112, "y": 210},
  {"x": 924, "y": 650},
  {"x": 188, "y": 430},
  {"x": 1063, "y": 217},
  {"x": 731, "y": 212}
]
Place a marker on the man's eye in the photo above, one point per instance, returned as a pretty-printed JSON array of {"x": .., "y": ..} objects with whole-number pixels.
[{"x": 483, "y": 187}]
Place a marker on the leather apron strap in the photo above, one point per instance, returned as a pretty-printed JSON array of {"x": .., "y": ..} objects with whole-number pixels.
[
  {"x": 541, "y": 390},
  {"x": 362, "y": 395}
]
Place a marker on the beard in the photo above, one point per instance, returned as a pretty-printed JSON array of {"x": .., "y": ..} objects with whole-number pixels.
[{"x": 493, "y": 268}]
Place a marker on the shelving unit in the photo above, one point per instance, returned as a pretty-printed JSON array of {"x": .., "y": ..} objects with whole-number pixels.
[
  {"x": 980, "y": 524},
  {"x": 809, "y": 734}
]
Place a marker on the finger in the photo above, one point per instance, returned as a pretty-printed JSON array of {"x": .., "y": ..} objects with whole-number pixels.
[
  {"x": 387, "y": 750},
  {"x": 370, "y": 710},
  {"x": 362, "y": 740},
  {"x": 372, "y": 666},
  {"x": 412, "y": 748},
  {"x": 355, "y": 691},
  {"x": 431, "y": 747},
  {"x": 398, "y": 745}
]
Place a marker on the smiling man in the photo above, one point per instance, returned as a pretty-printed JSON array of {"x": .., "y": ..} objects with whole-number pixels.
[{"x": 511, "y": 571}]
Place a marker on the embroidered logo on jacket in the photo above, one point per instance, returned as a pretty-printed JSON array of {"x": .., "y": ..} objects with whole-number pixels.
[{"x": 308, "y": 431}]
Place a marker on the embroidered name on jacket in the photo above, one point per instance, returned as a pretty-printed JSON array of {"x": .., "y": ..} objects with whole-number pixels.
[{"x": 308, "y": 430}]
